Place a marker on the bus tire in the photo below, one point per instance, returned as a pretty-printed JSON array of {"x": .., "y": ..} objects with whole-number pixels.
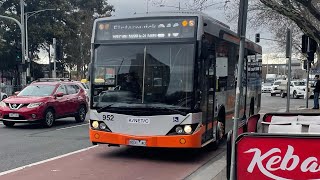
[{"x": 220, "y": 129}]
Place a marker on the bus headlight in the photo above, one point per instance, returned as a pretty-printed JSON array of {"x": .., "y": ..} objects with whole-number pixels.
[
  {"x": 102, "y": 126},
  {"x": 95, "y": 124},
  {"x": 179, "y": 130},
  {"x": 187, "y": 129},
  {"x": 184, "y": 129}
]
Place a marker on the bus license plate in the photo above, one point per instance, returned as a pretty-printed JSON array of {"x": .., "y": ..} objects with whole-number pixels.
[
  {"x": 13, "y": 115},
  {"x": 133, "y": 142}
]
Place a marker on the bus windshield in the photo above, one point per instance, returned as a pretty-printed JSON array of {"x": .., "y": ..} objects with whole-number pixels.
[{"x": 140, "y": 75}]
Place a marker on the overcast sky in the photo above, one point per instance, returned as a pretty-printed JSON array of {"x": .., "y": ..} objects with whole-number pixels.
[{"x": 129, "y": 7}]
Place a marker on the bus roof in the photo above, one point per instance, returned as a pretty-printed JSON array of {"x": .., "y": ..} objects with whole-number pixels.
[
  {"x": 211, "y": 25},
  {"x": 163, "y": 14}
]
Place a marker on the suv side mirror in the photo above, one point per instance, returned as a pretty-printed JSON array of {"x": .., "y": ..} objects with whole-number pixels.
[
  {"x": 60, "y": 94},
  {"x": 16, "y": 93}
]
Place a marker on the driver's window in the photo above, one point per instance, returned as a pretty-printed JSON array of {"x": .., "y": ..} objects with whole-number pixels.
[{"x": 62, "y": 89}]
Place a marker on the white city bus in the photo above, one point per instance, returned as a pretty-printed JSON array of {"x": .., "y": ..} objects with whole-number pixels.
[{"x": 168, "y": 80}]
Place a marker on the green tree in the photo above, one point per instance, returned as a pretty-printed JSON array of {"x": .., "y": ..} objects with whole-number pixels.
[{"x": 65, "y": 24}]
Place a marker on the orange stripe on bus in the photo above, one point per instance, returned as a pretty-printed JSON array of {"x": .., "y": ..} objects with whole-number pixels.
[{"x": 172, "y": 141}]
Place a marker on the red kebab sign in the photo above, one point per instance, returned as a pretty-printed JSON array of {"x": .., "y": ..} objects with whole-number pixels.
[{"x": 280, "y": 157}]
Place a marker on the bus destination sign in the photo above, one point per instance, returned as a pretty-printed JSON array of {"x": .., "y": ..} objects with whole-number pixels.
[{"x": 146, "y": 29}]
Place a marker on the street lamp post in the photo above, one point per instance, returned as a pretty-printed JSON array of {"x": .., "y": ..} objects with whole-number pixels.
[{"x": 27, "y": 15}]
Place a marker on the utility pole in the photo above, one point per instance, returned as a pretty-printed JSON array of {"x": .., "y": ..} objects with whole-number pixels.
[
  {"x": 307, "y": 86},
  {"x": 27, "y": 46},
  {"x": 54, "y": 72},
  {"x": 23, "y": 49},
  {"x": 242, "y": 27},
  {"x": 27, "y": 16},
  {"x": 81, "y": 56},
  {"x": 289, "y": 56},
  {"x": 179, "y": 5},
  {"x": 268, "y": 64}
]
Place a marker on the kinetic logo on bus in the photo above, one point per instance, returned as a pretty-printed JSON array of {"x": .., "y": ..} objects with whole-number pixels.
[{"x": 146, "y": 29}]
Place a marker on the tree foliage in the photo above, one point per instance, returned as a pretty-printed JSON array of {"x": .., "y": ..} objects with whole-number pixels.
[{"x": 66, "y": 22}]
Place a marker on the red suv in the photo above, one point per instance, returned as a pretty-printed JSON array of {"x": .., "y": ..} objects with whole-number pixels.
[{"x": 45, "y": 101}]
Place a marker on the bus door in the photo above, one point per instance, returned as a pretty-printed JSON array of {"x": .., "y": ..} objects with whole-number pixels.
[{"x": 208, "y": 90}]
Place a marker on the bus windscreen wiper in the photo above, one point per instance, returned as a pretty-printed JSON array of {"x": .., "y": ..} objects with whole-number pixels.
[
  {"x": 105, "y": 108},
  {"x": 171, "y": 110}
]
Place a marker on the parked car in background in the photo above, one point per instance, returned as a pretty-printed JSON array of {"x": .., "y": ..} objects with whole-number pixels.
[
  {"x": 3, "y": 96},
  {"x": 43, "y": 102},
  {"x": 297, "y": 89},
  {"x": 275, "y": 90},
  {"x": 266, "y": 87},
  {"x": 85, "y": 87}
]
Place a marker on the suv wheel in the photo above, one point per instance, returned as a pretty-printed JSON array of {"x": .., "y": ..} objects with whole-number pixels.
[
  {"x": 8, "y": 123},
  {"x": 81, "y": 114},
  {"x": 49, "y": 118}
]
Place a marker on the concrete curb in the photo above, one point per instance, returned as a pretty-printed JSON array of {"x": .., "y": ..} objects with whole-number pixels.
[{"x": 215, "y": 169}]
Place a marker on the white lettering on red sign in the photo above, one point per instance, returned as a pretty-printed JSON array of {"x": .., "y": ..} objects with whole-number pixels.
[{"x": 276, "y": 162}]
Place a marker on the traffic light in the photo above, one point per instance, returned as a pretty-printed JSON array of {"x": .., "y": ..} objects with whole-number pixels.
[
  {"x": 257, "y": 38},
  {"x": 308, "y": 44},
  {"x": 59, "y": 50},
  {"x": 310, "y": 56},
  {"x": 305, "y": 65},
  {"x": 28, "y": 80},
  {"x": 313, "y": 45},
  {"x": 305, "y": 41},
  {"x": 18, "y": 53}
]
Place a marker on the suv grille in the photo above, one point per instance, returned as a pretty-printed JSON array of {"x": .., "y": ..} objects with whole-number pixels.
[{"x": 16, "y": 106}]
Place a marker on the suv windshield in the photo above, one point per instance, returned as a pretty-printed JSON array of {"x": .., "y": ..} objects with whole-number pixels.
[
  {"x": 136, "y": 75},
  {"x": 299, "y": 83},
  {"x": 37, "y": 90}
]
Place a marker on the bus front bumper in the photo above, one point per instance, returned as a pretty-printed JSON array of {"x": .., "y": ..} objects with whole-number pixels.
[{"x": 171, "y": 141}]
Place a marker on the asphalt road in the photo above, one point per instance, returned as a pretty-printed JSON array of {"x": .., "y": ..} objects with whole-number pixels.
[
  {"x": 276, "y": 103},
  {"x": 27, "y": 144}
]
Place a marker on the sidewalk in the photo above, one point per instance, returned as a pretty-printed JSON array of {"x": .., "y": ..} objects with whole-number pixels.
[
  {"x": 218, "y": 169},
  {"x": 215, "y": 169}
]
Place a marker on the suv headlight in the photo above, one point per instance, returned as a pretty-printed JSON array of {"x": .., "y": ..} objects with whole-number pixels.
[
  {"x": 3, "y": 104},
  {"x": 34, "y": 105}
]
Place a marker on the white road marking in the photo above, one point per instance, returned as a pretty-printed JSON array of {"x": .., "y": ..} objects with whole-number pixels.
[
  {"x": 45, "y": 161},
  {"x": 71, "y": 127}
]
